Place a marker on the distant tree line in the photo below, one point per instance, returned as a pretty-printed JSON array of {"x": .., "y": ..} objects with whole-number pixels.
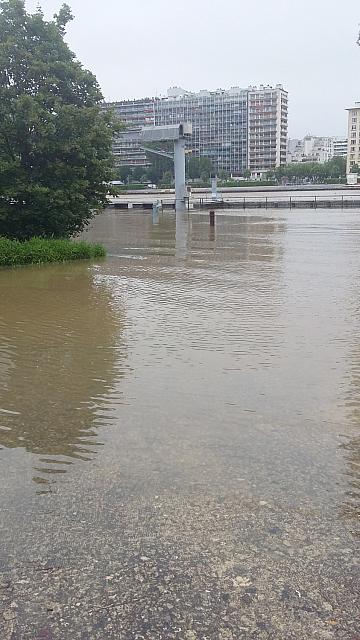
[
  {"x": 316, "y": 172},
  {"x": 161, "y": 171},
  {"x": 199, "y": 170}
]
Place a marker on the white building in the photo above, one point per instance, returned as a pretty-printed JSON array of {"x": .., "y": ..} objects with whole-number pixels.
[
  {"x": 353, "y": 153},
  {"x": 239, "y": 130},
  {"x": 310, "y": 149},
  {"x": 340, "y": 147}
]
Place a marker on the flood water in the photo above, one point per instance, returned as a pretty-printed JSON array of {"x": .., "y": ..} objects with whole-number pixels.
[{"x": 180, "y": 432}]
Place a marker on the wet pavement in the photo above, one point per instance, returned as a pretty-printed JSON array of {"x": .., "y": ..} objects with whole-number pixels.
[{"x": 180, "y": 433}]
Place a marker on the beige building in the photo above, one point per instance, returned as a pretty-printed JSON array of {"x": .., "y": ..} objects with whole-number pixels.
[{"x": 353, "y": 153}]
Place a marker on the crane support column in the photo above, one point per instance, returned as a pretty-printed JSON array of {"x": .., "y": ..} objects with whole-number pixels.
[{"x": 178, "y": 134}]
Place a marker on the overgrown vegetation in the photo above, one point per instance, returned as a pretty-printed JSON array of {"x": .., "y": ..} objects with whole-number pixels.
[
  {"x": 40, "y": 250},
  {"x": 55, "y": 140}
]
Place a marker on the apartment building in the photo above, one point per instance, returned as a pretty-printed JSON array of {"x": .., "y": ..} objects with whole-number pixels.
[
  {"x": 340, "y": 147},
  {"x": 238, "y": 129},
  {"x": 134, "y": 114},
  {"x": 219, "y": 120},
  {"x": 267, "y": 129},
  {"x": 311, "y": 149},
  {"x": 353, "y": 153}
]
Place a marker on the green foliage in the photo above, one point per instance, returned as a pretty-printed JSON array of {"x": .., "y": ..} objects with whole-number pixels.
[
  {"x": 332, "y": 170},
  {"x": 55, "y": 141},
  {"x": 199, "y": 168},
  {"x": 159, "y": 164},
  {"x": 224, "y": 175},
  {"x": 155, "y": 174},
  {"x": 248, "y": 183},
  {"x": 167, "y": 179},
  {"x": 355, "y": 169},
  {"x": 138, "y": 173},
  {"x": 124, "y": 173},
  {"x": 40, "y": 250}
]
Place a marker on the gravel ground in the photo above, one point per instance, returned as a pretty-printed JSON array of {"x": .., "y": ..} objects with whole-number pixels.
[{"x": 189, "y": 567}]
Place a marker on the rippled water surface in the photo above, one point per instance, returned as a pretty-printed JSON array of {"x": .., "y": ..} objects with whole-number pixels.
[{"x": 179, "y": 432}]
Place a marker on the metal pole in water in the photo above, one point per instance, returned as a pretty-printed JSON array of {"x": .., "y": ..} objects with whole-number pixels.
[
  {"x": 179, "y": 166},
  {"x": 212, "y": 218}
]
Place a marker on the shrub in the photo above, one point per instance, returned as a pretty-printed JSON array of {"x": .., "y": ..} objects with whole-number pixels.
[{"x": 40, "y": 250}]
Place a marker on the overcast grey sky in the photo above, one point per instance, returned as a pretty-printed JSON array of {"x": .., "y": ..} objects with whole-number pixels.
[{"x": 140, "y": 48}]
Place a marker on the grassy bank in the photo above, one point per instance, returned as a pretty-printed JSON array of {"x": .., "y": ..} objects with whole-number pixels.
[{"x": 39, "y": 250}]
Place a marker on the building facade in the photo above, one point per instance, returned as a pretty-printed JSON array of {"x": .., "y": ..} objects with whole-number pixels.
[
  {"x": 353, "y": 153},
  {"x": 239, "y": 130},
  {"x": 219, "y": 120},
  {"x": 134, "y": 114},
  {"x": 311, "y": 149},
  {"x": 340, "y": 147},
  {"x": 267, "y": 129}
]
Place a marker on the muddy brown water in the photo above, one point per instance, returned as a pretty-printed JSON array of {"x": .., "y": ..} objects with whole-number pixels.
[{"x": 180, "y": 432}]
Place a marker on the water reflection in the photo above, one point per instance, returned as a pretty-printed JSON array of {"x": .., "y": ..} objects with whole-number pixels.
[
  {"x": 190, "y": 236},
  {"x": 251, "y": 315},
  {"x": 61, "y": 353}
]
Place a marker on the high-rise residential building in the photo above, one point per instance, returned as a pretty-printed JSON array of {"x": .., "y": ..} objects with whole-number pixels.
[
  {"x": 238, "y": 129},
  {"x": 134, "y": 114},
  {"x": 219, "y": 120},
  {"x": 353, "y": 153},
  {"x": 267, "y": 128}
]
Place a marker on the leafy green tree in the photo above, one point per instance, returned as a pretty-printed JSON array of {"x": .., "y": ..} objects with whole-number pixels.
[
  {"x": 154, "y": 174},
  {"x": 199, "y": 168},
  {"x": 138, "y": 173},
  {"x": 55, "y": 140},
  {"x": 355, "y": 169},
  {"x": 159, "y": 164},
  {"x": 167, "y": 178},
  {"x": 334, "y": 169},
  {"x": 124, "y": 173},
  {"x": 224, "y": 175}
]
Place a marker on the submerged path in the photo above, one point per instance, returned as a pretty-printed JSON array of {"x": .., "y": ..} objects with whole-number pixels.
[{"x": 179, "y": 433}]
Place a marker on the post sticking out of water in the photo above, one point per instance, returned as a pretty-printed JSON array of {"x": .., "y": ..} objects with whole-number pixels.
[
  {"x": 212, "y": 218},
  {"x": 179, "y": 167},
  {"x": 155, "y": 212},
  {"x": 214, "y": 191}
]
